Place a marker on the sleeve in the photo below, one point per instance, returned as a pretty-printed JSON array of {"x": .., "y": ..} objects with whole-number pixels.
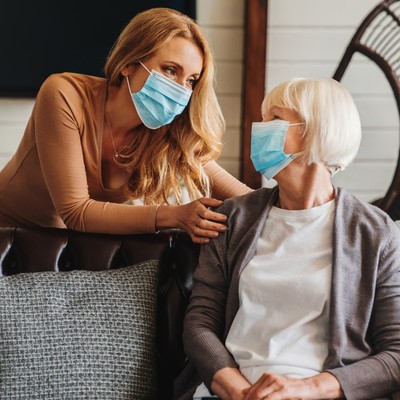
[
  {"x": 379, "y": 374},
  {"x": 58, "y": 119},
  {"x": 204, "y": 323},
  {"x": 224, "y": 185}
]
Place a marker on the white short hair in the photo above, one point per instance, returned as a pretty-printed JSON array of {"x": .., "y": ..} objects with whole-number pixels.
[{"x": 332, "y": 129}]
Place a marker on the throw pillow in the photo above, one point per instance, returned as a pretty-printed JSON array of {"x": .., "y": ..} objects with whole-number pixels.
[{"x": 79, "y": 334}]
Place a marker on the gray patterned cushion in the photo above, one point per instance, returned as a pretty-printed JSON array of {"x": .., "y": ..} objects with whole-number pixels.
[{"x": 79, "y": 334}]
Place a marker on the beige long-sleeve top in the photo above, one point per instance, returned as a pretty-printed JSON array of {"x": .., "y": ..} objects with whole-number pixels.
[{"x": 55, "y": 179}]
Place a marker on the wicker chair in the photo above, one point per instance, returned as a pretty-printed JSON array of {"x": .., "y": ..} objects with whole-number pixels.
[{"x": 378, "y": 38}]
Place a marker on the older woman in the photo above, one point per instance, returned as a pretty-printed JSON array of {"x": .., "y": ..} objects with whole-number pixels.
[{"x": 300, "y": 298}]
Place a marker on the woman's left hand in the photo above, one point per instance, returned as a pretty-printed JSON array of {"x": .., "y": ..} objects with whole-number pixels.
[
  {"x": 276, "y": 387},
  {"x": 196, "y": 218},
  {"x": 199, "y": 221}
]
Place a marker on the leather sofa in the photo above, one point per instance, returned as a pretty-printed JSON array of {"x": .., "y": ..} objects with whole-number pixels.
[{"x": 33, "y": 250}]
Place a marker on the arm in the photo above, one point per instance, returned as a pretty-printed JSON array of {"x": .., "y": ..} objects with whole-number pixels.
[
  {"x": 204, "y": 324},
  {"x": 58, "y": 125},
  {"x": 379, "y": 374},
  {"x": 224, "y": 185}
]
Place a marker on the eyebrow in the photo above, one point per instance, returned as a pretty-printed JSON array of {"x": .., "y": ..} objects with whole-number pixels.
[{"x": 175, "y": 63}]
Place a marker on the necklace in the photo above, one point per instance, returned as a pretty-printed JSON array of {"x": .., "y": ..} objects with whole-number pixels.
[{"x": 121, "y": 156}]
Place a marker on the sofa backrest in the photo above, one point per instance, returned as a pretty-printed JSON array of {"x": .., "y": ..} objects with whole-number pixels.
[{"x": 34, "y": 250}]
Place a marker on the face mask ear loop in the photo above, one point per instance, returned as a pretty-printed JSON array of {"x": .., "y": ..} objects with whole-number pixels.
[
  {"x": 145, "y": 67},
  {"x": 127, "y": 80},
  {"x": 129, "y": 86}
]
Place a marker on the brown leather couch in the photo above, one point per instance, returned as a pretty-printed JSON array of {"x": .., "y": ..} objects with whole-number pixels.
[{"x": 31, "y": 250}]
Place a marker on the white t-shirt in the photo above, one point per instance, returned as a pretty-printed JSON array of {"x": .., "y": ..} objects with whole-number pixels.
[{"x": 282, "y": 322}]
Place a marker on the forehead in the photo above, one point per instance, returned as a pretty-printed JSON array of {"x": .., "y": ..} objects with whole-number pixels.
[{"x": 183, "y": 52}]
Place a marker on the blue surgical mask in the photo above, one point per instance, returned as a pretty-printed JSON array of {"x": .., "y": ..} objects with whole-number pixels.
[
  {"x": 267, "y": 143},
  {"x": 160, "y": 100}
]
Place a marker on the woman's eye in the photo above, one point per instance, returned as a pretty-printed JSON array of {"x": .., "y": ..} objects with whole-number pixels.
[
  {"x": 191, "y": 82},
  {"x": 169, "y": 71}
]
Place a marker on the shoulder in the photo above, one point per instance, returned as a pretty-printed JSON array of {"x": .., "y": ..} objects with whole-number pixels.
[
  {"x": 360, "y": 218},
  {"x": 248, "y": 210},
  {"x": 73, "y": 79},
  {"x": 70, "y": 84},
  {"x": 70, "y": 93},
  {"x": 355, "y": 209},
  {"x": 256, "y": 199}
]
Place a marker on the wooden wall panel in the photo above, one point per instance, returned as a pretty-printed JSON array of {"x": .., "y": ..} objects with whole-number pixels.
[{"x": 254, "y": 81}]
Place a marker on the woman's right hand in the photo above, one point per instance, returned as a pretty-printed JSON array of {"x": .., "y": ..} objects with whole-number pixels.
[{"x": 195, "y": 218}]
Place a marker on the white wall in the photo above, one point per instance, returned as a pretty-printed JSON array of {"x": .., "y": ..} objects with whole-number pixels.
[
  {"x": 307, "y": 38},
  {"x": 13, "y": 116},
  {"x": 222, "y": 23}
]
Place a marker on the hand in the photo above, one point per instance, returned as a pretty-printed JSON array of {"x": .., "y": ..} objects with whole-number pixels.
[
  {"x": 275, "y": 387},
  {"x": 229, "y": 384},
  {"x": 195, "y": 218}
]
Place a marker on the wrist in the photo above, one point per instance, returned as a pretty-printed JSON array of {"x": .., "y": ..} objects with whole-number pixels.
[
  {"x": 324, "y": 386},
  {"x": 229, "y": 383},
  {"x": 165, "y": 217}
]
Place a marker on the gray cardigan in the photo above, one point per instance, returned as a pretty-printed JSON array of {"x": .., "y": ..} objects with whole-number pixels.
[{"x": 364, "y": 341}]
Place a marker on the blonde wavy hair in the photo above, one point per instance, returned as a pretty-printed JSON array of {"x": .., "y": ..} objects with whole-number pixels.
[{"x": 166, "y": 159}]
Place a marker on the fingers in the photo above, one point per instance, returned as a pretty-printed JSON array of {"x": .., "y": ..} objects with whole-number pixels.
[
  {"x": 211, "y": 215},
  {"x": 275, "y": 387},
  {"x": 209, "y": 220},
  {"x": 203, "y": 229},
  {"x": 199, "y": 240},
  {"x": 209, "y": 202},
  {"x": 261, "y": 389},
  {"x": 203, "y": 223},
  {"x": 208, "y": 214}
]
